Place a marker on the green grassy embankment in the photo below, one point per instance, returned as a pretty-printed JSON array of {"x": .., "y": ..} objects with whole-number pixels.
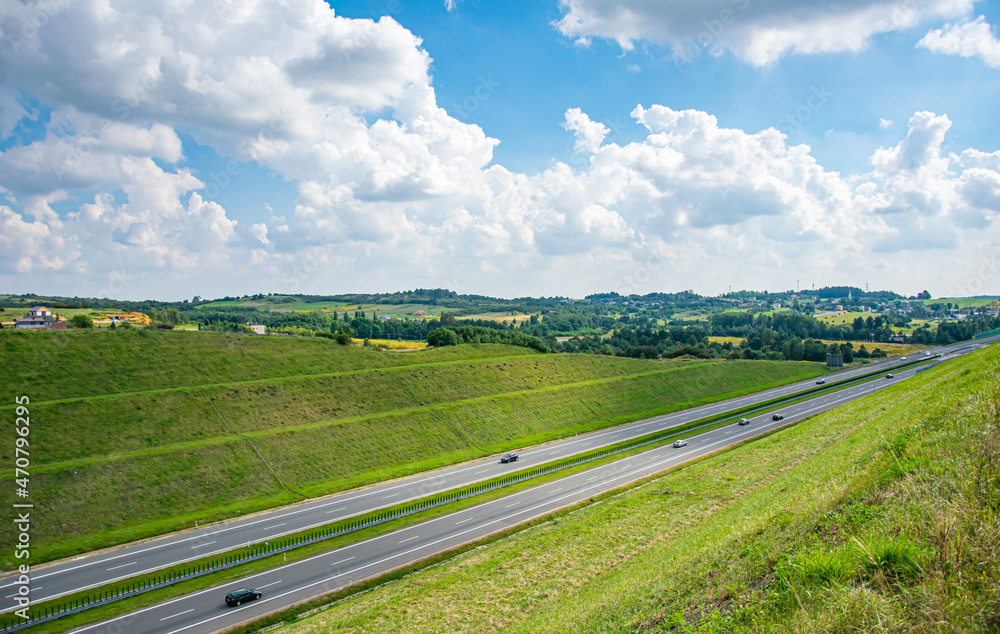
[
  {"x": 57, "y": 365},
  {"x": 881, "y": 515},
  {"x": 113, "y": 462}
]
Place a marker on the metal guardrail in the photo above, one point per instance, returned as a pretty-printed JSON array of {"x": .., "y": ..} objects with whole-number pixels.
[{"x": 382, "y": 516}]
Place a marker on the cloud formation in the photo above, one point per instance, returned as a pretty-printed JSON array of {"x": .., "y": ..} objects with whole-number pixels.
[
  {"x": 758, "y": 32},
  {"x": 393, "y": 192},
  {"x": 972, "y": 39}
]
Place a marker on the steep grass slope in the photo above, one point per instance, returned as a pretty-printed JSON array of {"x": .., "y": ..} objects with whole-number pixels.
[
  {"x": 880, "y": 516},
  {"x": 122, "y": 451}
]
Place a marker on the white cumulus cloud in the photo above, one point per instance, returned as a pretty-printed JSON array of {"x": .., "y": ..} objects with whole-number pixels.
[
  {"x": 392, "y": 191},
  {"x": 972, "y": 39}
]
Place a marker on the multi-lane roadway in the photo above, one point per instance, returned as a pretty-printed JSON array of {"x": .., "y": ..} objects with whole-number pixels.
[
  {"x": 374, "y": 556},
  {"x": 205, "y": 611},
  {"x": 90, "y": 571}
]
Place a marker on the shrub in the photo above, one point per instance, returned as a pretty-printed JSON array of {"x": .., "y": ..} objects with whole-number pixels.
[{"x": 82, "y": 321}]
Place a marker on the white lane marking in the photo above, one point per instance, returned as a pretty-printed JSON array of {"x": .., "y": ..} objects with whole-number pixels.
[
  {"x": 335, "y": 510},
  {"x": 323, "y": 581},
  {"x": 303, "y": 509},
  {"x": 408, "y": 539},
  {"x": 391, "y": 495},
  {"x": 178, "y": 614},
  {"x": 275, "y": 526},
  {"x": 198, "y": 546},
  {"x": 342, "y": 561},
  {"x": 556, "y": 490},
  {"x": 11, "y": 596},
  {"x": 594, "y": 478},
  {"x": 273, "y": 583},
  {"x": 506, "y": 507},
  {"x": 468, "y": 519},
  {"x": 478, "y": 472},
  {"x": 115, "y": 568}
]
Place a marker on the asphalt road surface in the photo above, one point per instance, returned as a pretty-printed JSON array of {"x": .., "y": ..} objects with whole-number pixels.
[
  {"x": 90, "y": 571},
  {"x": 206, "y": 611}
]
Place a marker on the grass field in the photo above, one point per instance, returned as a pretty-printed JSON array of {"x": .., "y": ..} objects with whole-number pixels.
[
  {"x": 499, "y": 317},
  {"x": 846, "y": 318},
  {"x": 962, "y": 302},
  {"x": 876, "y": 516},
  {"x": 127, "y": 442}
]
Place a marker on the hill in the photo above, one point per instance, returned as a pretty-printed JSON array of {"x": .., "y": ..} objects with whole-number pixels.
[
  {"x": 879, "y": 516},
  {"x": 135, "y": 433}
]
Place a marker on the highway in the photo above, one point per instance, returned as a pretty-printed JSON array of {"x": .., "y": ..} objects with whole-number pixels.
[
  {"x": 205, "y": 611},
  {"x": 90, "y": 571}
]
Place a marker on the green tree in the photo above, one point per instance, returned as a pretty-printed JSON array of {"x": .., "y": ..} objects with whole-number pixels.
[
  {"x": 343, "y": 336},
  {"x": 443, "y": 337},
  {"x": 847, "y": 349},
  {"x": 448, "y": 319},
  {"x": 82, "y": 321}
]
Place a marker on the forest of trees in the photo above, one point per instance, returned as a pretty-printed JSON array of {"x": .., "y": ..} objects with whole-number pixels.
[{"x": 643, "y": 326}]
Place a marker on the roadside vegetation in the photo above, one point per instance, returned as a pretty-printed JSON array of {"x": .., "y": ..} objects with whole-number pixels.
[
  {"x": 135, "y": 434},
  {"x": 881, "y": 515}
]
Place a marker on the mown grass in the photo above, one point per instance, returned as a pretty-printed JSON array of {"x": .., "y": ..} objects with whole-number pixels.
[
  {"x": 55, "y": 365},
  {"x": 878, "y": 516},
  {"x": 110, "y": 467},
  {"x": 155, "y": 419},
  {"x": 124, "y": 496}
]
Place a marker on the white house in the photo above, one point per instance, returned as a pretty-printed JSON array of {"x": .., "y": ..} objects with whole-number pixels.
[{"x": 37, "y": 317}]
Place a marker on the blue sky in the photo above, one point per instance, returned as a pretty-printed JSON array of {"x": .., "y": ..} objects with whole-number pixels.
[{"x": 510, "y": 149}]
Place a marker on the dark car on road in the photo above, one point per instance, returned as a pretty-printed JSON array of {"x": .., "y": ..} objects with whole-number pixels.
[
  {"x": 889, "y": 376},
  {"x": 510, "y": 457},
  {"x": 242, "y": 595},
  {"x": 743, "y": 421},
  {"x": 777, "y": 417},
  {"x": 821, "y": 382}
]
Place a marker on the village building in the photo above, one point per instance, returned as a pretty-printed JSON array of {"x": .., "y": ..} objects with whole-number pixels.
[{"x": 37, "y": 317}]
